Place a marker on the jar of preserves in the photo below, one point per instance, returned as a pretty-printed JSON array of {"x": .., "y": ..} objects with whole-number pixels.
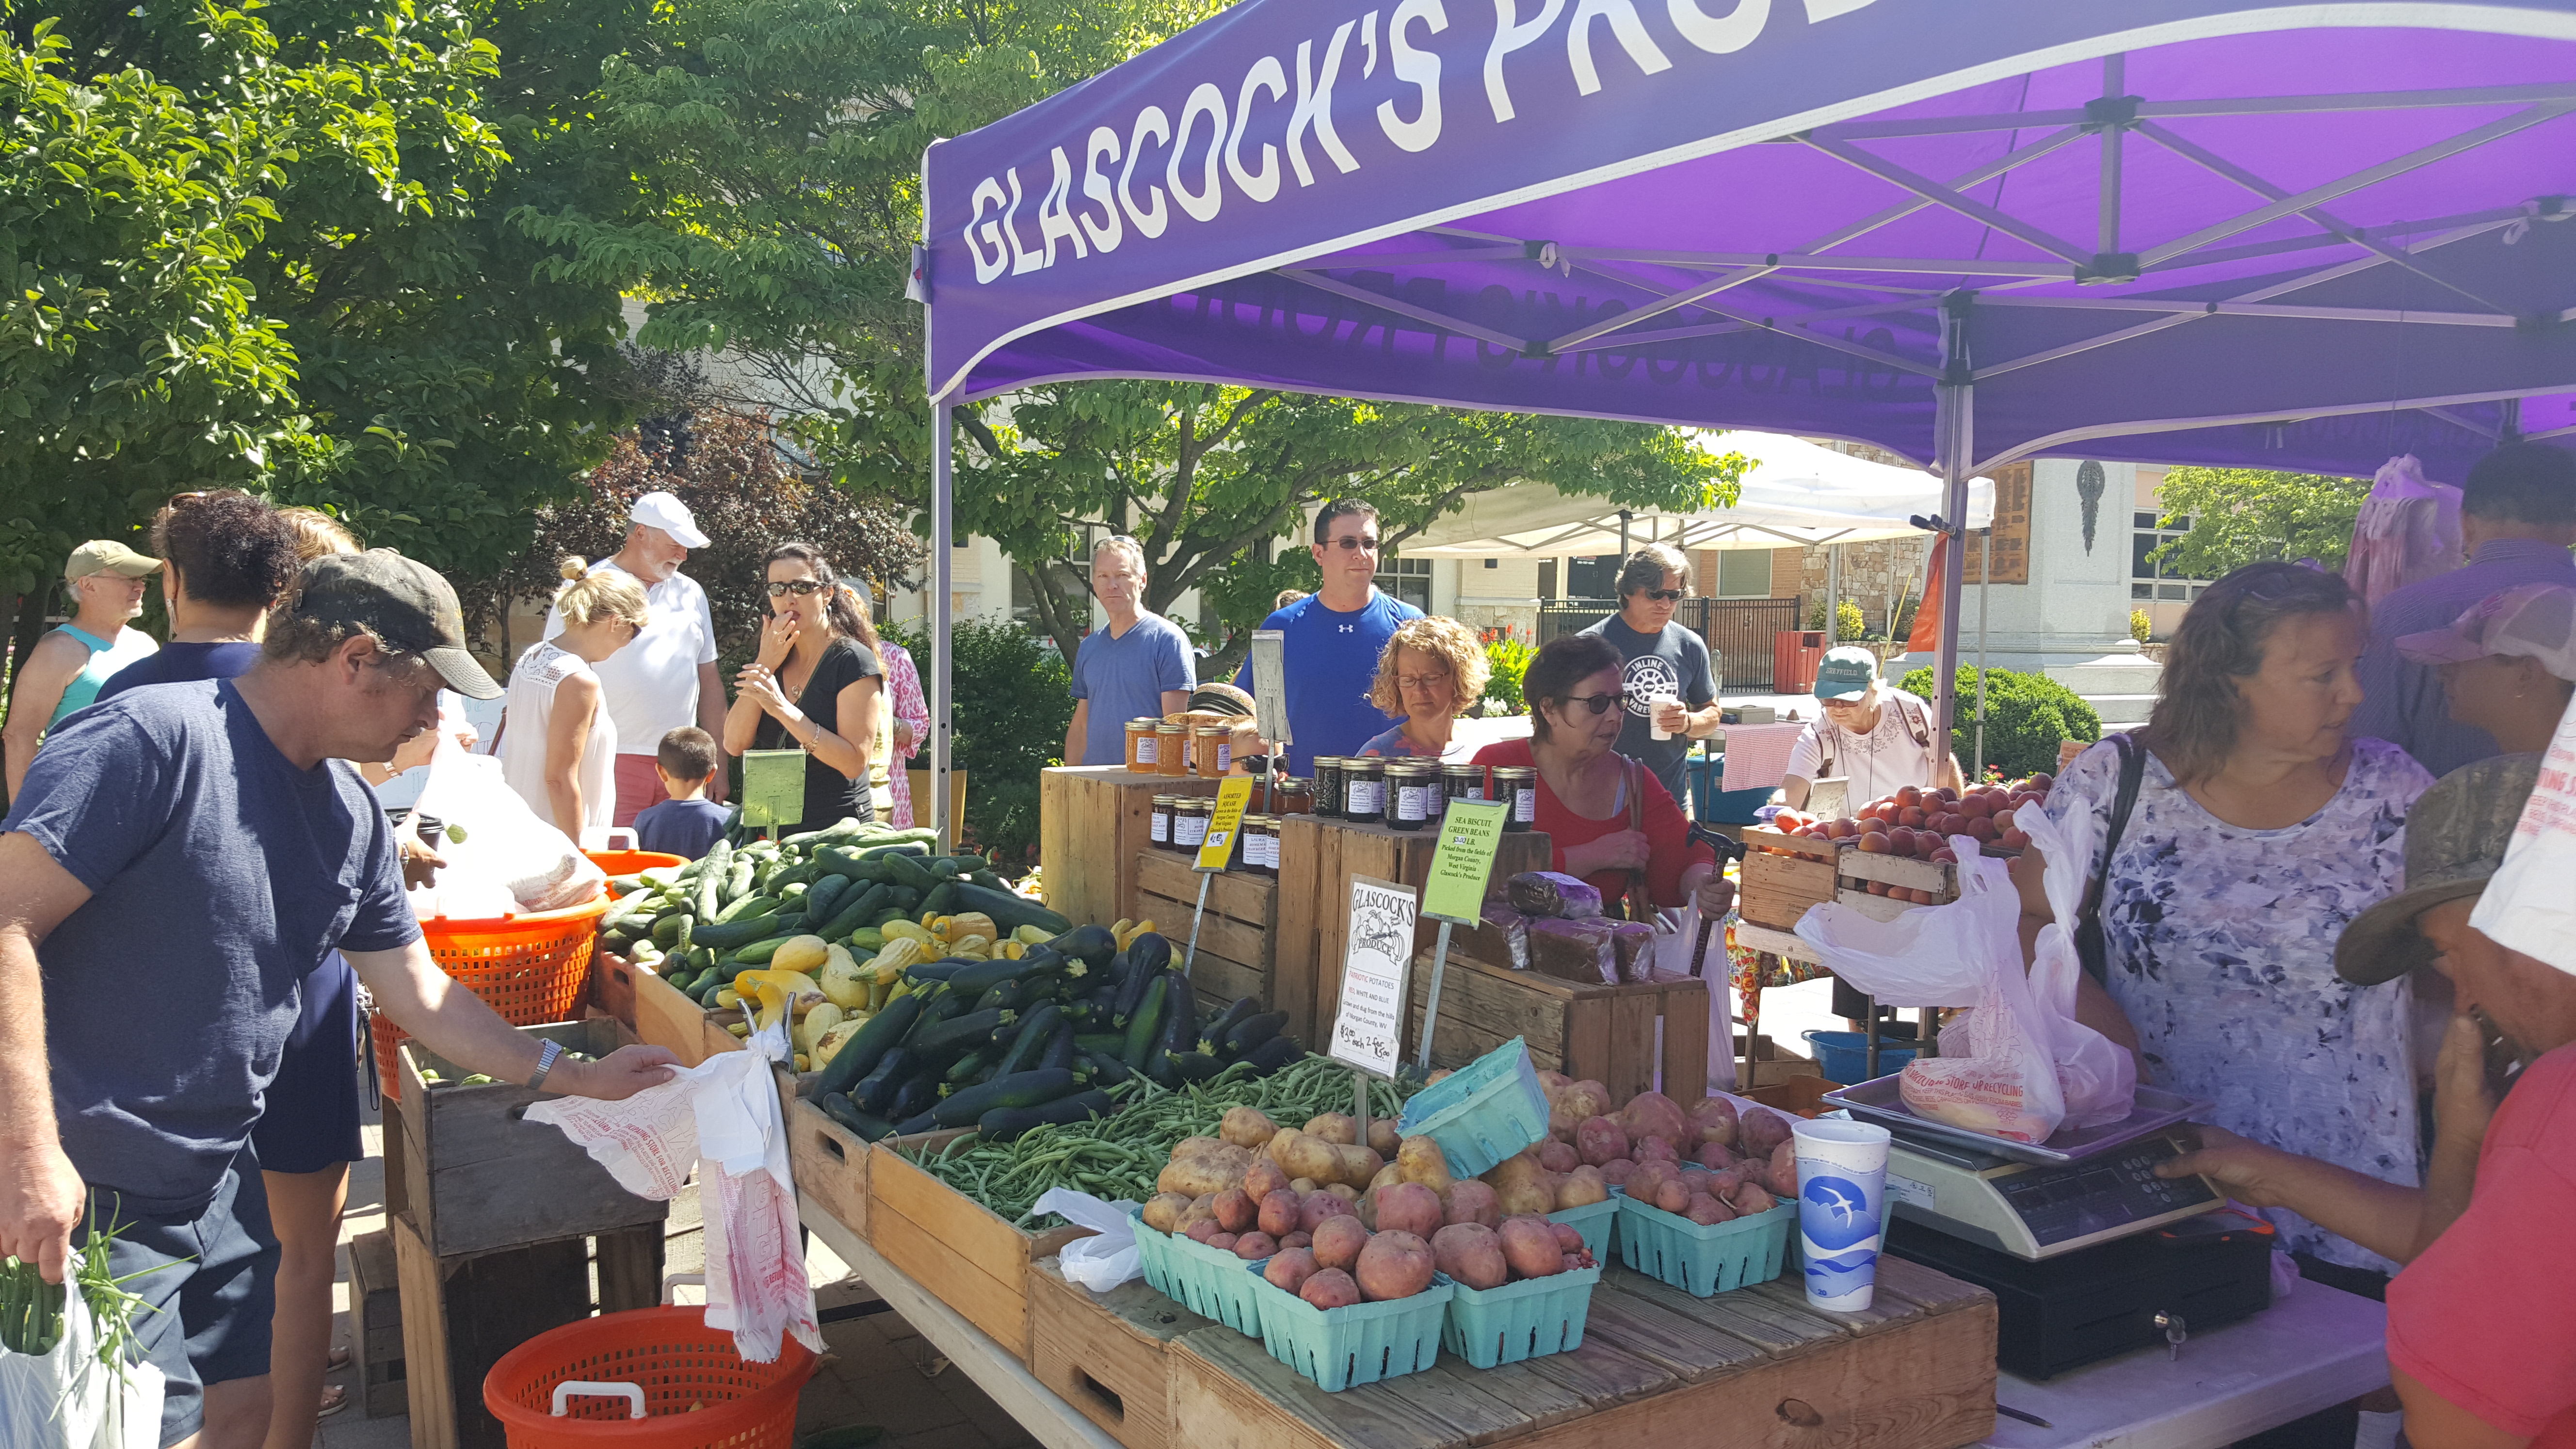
[
  {"x": 1292, "y": 796},
  {"x": 1408, "y": 792},
  {"x": 1517, "y": 786},
  {"x": 1211, "y": 751},
  {"x": 1363, "y": 789},
  {"x": 1162, "y": 828},
  {"x": 1140, "y": 746},
  {"x": 1171, "y": 749},
  {"x": 1462, "y": 782},
  {"x": 1190, "y": 823},
  {"x": 1261, "y": 844},
  {"x": 1331, "y": 786}
]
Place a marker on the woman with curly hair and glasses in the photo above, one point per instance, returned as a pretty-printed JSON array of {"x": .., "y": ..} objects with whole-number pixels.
[
  {"x": 1431, "y": 672},
  {"x": 816, "y": 685}
]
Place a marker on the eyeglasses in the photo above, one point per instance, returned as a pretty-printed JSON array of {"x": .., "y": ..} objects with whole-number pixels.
[
  {"x": 1599, "y": 704},
  {"x": 1347, "y": 542},
  {"x": 801, "y": 588},
  {"x": 1663, "y": 596},
  {"x": 1420, "y": 681}
]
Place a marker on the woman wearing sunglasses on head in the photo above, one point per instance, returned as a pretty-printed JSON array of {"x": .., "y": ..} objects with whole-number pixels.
[
  {"x": 816, "y": 685},
  {"x": 1611, "y": 822}
]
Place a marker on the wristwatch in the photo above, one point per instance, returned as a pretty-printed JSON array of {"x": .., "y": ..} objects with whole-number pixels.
[{"x": 546, "y": 1056}]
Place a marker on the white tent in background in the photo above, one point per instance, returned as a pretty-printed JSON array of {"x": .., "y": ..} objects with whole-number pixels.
[{"x": 1797, "y": 492}]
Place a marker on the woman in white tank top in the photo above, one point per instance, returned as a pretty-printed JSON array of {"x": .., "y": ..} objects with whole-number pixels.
[{"x": 558, "y": 747}]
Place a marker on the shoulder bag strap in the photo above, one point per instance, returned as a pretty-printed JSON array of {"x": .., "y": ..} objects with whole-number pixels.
[
  {"x": 2089, "y": 942},
  {"x": 1641, "y": 903}
]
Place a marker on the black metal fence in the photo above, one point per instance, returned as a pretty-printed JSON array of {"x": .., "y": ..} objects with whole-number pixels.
[{"x": 1738, "y": 632}]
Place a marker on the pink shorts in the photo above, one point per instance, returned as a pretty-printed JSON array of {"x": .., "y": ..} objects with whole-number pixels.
[{"x": 639, "y": 788}]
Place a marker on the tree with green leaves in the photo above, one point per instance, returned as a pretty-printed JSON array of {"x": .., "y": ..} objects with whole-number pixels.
[{"x": 2240, "y": 516}]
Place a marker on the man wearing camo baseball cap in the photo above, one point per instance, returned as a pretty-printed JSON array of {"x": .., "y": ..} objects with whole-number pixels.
[{"x": 2508, "y": 664}]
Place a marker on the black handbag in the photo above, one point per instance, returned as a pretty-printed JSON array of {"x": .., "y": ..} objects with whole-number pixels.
[{"x": 2090, "y": 947}]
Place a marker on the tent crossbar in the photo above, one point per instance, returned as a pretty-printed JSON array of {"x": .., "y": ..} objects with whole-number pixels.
[
  {"x": 2215, "y": 106},
  {"x": 1940, "y": 195},
  {"x": 1775, "y": 324},
  {"x": 1811, "y": 261},
  {"x": 1403, "y": 308},
  {"x": 2464, "y": 421},
  {"x": 2212, "y": 256},
  {"x": 2115, "y": 85},
  {"x": 1670, "y": 301},
  {"x": 1354, "y": 260},
  {"x": 2395, "y": 166},
  {"x": 2258, "y": 309},
  {"x": 1771, "y": 324}
]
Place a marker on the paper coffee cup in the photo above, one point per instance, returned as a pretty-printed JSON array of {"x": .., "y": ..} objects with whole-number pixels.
[
  {"x": 1655, "y": 715},
  {"x": 1842, "y": 1210}
]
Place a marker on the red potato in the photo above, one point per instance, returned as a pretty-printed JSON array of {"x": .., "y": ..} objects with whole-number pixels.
[
  {"x": 1582, "y": 1187},
  {"x": 1714, "y": 1156},
  {"x": 1671, "y": 1196},
  {"x": 1711, "y": 1119},
  {"x": 1529, "y": 1246},
  {"x": 1574, "y": 1262},
  {"x": 1204, "y": 1230},
  {"x": 1338, "y": 1241},
  {"x": 1471, "y": 1254},
  {"x": 1561, "y": 1124},
  {"x": 1393, "y": 1265},
  {"x": 1763, "y": 1130},
  {"x": 1653, "y": 1149},
  {"x": 1319, "y": 1205},
  {"x": 1784, "y": 1169},
  {"x": 1569, "y": 1238},
  {"x": 1330, "y": 1288},
  {"x": 1409, "y": 1207},
  {"x": 1223, "y": 1240},
  {"x": 1597, "y": 1139},
  {"x": 1586, "y": 1098},
  {"x": 1297, "y": 1240},
  {"x": 1471, "y": 1201},
  {"x": 1652, "y": 1114},
  {"x": 1290, "y": 1269},
  {"x": 1705, "y": 1210},
  {"x": 1558, "y": 1156},
  {"x": 1234, "y": 1211},
  {"x": 1695, "y": 1179},
  {"x": 1750, "y": 1199},
  {"x": 1552, "y": 1085},
  {"x": 1616, "y": 1171},
  {"x": 1278, "y": 1215},
  {"x": 1649, "y": 1178},
  {"x": 1263, "y": 1178},
  {"x": 1253, "y": 1247}
]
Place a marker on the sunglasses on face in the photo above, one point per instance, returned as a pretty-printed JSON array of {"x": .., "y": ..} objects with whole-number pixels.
[
  {"x": 1346, "y": 543},
  {"x": 801, "y": 588},
  {"x": 1599, "y": 703},
  {"x": 1663, "y": 596}
]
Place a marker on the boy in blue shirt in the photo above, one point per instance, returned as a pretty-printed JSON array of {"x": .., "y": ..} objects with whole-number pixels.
[
  {"x": 688, "y": 823},
  {"x": 1335, "y": 636}
]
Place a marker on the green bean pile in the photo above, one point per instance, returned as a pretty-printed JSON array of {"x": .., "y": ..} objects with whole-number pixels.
[{"x": 1120, "y": 1156}]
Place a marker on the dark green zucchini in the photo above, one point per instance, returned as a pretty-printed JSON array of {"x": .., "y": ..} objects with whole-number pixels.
[
  {"x": 1180, "y": 1029},
  {"x": 1024, "y": 1089},
  {"x": 1213, "y": 1032},
  {"x": 1009, "y": 909},
  {"x": 1003, "y": 1124},
  {"x": 741, "y": 931},
  {"x": 1194, "y": 1066},
  {"x": 1110, "y": 1042},
  {"x": 1029, "y": 1040},
  {"x": 1058, "y": 1051},
  {"x": 918, "y": 1094},
  {"x": 1150, "y": 951},
  {"x": 1140, "y": 1028},
  {"x": 959, "y": 1033},
  {"x": 1250, "y": 1033},
  {"x": 858, "y": 1056},
  {"x": 842, "y": 1110},
  {"x": 1106, "y": 1069},
  {"x": 874, "y": 1092},
  {"x": 971, "y": 1067},
  {"x": 1093, "y": 944},
  {"x": 915, "y": 1125},
  {"x": 1273, "y": 1054}
]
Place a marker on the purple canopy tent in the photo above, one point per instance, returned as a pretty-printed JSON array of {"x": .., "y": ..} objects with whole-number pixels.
[{"x": 2300, "y": 236}]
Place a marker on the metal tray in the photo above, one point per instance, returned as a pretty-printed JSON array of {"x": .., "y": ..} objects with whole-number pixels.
[{"x": 1878, "y": 1101}]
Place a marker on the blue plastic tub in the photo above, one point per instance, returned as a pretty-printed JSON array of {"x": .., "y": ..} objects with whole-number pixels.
[
  {"x": 1481, "y": 1113},
  {"x": 1207, "y": 1281},
  {"x": 1700, "y": 1260},
  {"x": 1532, "y": 1318},
  {"x": 1338, "y": 1347},
  {"x": 1843, "y": 1056}
]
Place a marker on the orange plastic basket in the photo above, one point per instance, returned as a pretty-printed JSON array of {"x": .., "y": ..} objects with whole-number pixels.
[
  {"x": 532, "y": 969},
  {"x": 631, "y": 862},
  {"x": 696, "y": 1391}
]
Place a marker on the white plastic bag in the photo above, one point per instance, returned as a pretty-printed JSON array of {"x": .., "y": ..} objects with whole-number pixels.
[
  {"x": 508, "y": 860},
  {"x": 1102, "y": 1262},
  {"x": 67, "y": 1399},
  {"x": 2096, "y": 1075},
  {"x": 2527, "y": 907},
  {"x": 720, "y": 1116}
]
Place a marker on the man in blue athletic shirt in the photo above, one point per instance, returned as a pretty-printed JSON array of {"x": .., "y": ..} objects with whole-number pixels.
[{"x": 1334, "y": 638}]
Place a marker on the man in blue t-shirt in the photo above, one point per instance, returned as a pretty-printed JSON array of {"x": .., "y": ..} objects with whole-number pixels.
[
  {"x": 1660, "y": 661},
  {"x": 179, "y": 860},
  {"x": 1137, "y": 668},
  {"x": 1335, "y": 636}
]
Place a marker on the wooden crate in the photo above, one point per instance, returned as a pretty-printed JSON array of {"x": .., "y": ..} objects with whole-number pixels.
[
  {"x": 1236, "y": 939},
  {"x": 959, "y": 1250},
  {"x": 1588, "y": 1030},
  {"x": 375, "y": 1326},
  {"x": 1317, "y": 859},
  {"x": 830, "y": 1165},
  {"x": 478, "y": 1178},
  {"x": 1783, "y": 875},
  {"x": 1093, "y": 821},
  {"x": 1755, "y": 1367},
  {"x": 612, "y": 986},
  {"x": 461, "y": 1314},
  {"x": 1108, "y": 1354},
  {"x": 1859, "y": 868},
  {"x": 666, "y": 1018}
]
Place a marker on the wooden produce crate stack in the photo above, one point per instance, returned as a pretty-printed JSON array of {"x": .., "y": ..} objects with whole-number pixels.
[
  {"x": 961, "y": 1251},
  {"x": 375, "y": 1326},
  {"x": 1783, "y": 875},
  {"x": 1237, "y": 938},
  {"x": 1318, "y": 856},
  {"x": 1927, "y": 883},
  {"x": 1588, "y": 1030},
  {"x": 1093, "y": 822},
  {"x": 1108, "y": 1354}
]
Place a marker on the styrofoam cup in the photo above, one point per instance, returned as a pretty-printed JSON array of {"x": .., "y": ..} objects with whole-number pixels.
[
  {"x": 1842, "y": 1210},
  {"x": 1655, "y": 713}
]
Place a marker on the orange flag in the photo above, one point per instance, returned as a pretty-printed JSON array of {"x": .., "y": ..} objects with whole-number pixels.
[{"x": 1925, "y": 638}]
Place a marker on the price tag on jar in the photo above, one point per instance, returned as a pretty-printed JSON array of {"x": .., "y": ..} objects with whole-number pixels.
[
  {"x": 1377, "y": 954},
  {"x": 1233, "y": 795}
]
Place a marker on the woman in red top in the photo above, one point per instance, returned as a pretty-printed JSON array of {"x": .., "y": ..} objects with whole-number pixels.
[{"x": 1585, "y": 790}]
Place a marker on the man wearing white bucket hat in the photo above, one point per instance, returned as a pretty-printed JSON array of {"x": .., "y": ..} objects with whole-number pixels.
[{"x": 667, "y": 677}]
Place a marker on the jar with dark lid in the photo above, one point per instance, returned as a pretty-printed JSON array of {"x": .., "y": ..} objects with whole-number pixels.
[
  {"x": 1293, "y": 796},
  {"x": 1171, "y": 749},
  {"x": 1408, "y": 791},
  {"x": 1363, "y": 788},
  {"x": 1462, "y": 782},
  {"x": 1435, "y": 799},
  {"x": 1190, "y": 823},
  {"x": 1211, "y": 751},
  {"x": 1261, "y": 844},
  {"x": 1517, "y": 786},
  {"x": 1162, "y": 836},
  {"x": 1140, "y": 746},
  {"x": 1330, "y": 786}
]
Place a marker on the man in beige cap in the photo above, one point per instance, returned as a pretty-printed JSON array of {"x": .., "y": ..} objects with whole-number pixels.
[
  {"x": 2482, "y": 1320},
  {"x": 180, "y": 859},
  {"x": 2507, "y": 665},
  {"x": 65, "y": 669}
]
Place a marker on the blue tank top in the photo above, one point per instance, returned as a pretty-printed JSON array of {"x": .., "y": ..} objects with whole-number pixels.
[{"x": 105, "y": 658}]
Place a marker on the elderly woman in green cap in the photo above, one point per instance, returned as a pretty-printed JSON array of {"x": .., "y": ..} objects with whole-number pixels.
[{"x": 63, "y": 672}]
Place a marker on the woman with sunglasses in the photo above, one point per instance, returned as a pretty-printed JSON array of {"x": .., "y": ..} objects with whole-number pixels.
[
  {"x": 558, "y": 746},
  {"x": 816, "y": 685},
  {"x": 1611, "y": 821}
]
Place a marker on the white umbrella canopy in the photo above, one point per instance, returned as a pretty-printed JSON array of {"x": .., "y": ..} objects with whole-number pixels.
[{"x": 1796, "y": 493}]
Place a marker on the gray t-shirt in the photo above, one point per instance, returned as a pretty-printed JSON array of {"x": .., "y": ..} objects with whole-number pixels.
[
  {"x": 1124, "y": 678},
  {"x": 219, "y": 874},
  {"x": 1673, "y": 663}
]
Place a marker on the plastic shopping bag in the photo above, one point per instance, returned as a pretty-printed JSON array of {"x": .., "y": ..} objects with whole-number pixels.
[
  {"x": 67, "y": 1399},
  {"x": 2096, "y": 1075},
  {"x": 1994, "y": 1074},
  {"x": 721, "y": 1117},
  {"x": 501, "y": 859},
  {"x": 2527, "y": 907},
  {"x": 1101, "y": 1262}
]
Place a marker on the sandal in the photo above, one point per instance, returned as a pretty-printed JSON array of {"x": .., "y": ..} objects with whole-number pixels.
[
  {"x": 340, "y": 1358},
  {"x": 334, "y": 1399}
]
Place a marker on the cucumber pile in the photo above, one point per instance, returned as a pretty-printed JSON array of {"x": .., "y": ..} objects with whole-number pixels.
[
  {"x": 702, "y": 924},
  {"x": 1004, "y": 1046}
]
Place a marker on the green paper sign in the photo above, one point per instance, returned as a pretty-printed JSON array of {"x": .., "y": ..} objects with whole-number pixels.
[
  {"x": 1461, "y": 865},
  {"x": 773, "y": 787}
]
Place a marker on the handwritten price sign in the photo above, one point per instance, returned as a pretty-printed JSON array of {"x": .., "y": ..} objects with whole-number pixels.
[{"x": 1368, "y": 1028}]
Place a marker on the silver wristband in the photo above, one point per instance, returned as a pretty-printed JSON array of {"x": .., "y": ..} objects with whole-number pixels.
[{"x": 546, "y": 1056}]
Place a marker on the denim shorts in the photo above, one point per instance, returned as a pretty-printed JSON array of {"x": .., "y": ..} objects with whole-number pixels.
[{"x": 208, "y": 1284}]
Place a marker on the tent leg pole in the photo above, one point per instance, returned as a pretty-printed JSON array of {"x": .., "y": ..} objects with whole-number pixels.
[
  {"x": 943, "y": 528},
  {"x": 1985, "y": 580},
  {"x": 1954, "y": 436},
  {"x": 1833, "y": 591}
]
